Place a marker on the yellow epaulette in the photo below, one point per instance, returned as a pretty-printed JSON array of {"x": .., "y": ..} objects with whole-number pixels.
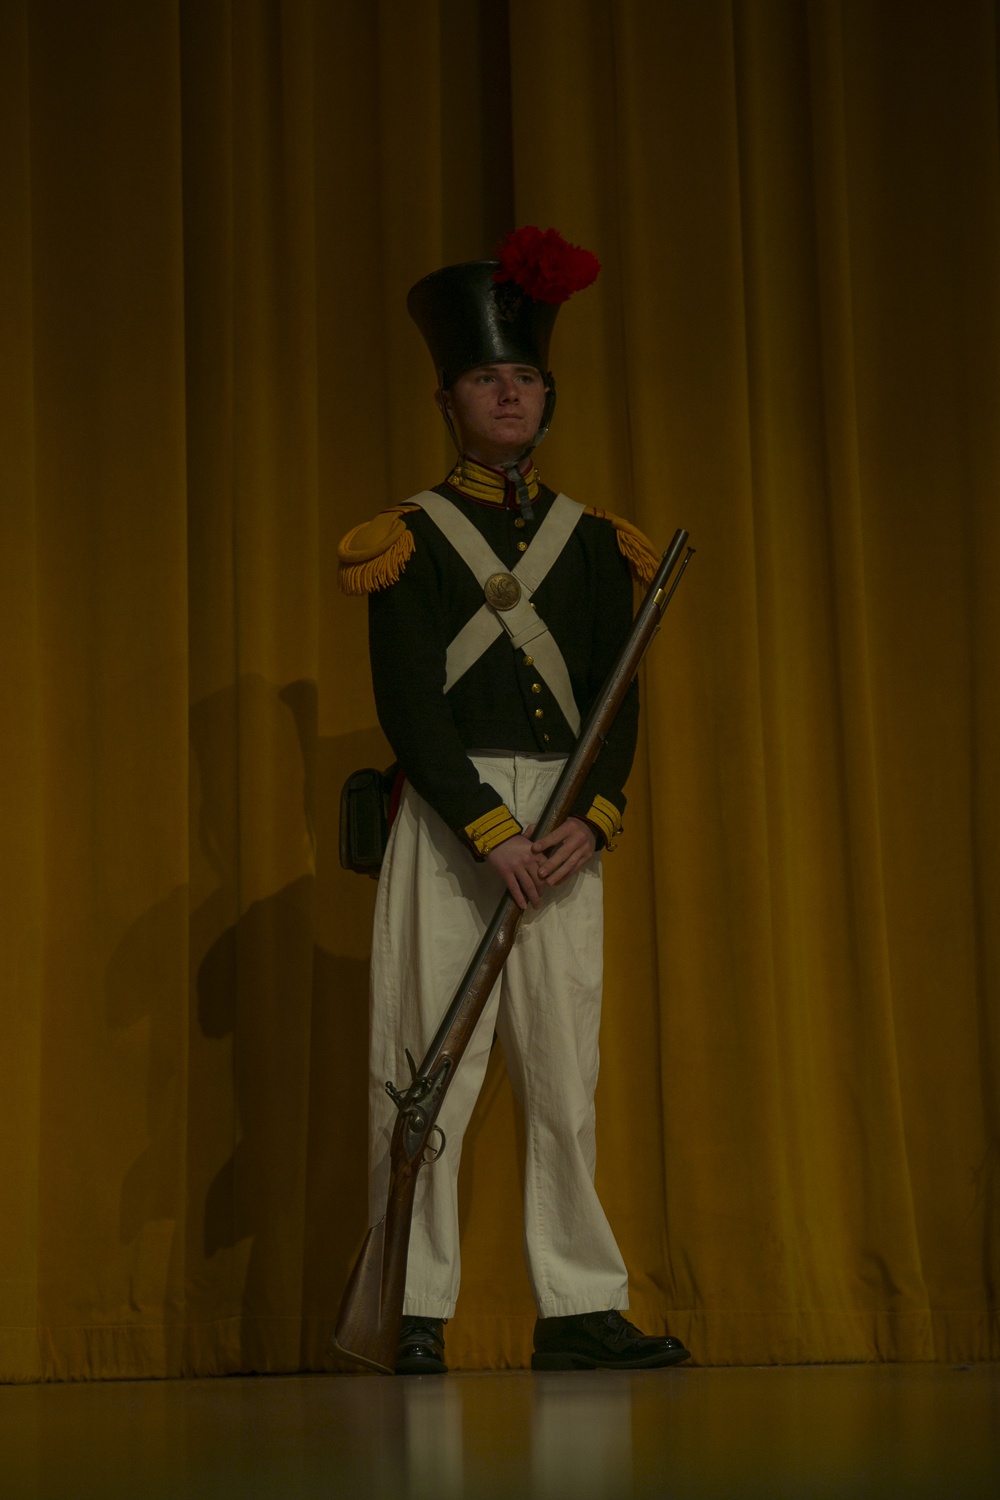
[
  {"x": 374, "y": 554},
  {"x": 633, "y": 544}
]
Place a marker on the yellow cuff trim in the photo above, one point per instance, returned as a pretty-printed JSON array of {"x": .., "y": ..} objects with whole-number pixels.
[
  {"x": 491, "y": 829},
  {"x": 373, "y": 555},
  {"x": 633, "y": 544},
  {"x": 607, "y": 817}
]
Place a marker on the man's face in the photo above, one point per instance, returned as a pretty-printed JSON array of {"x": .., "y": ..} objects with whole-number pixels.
[{"x": 496, "y": 410}]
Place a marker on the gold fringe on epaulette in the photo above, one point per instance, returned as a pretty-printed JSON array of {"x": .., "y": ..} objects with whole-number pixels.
[
  {"x": 634, "y": 545},
  {"x": 638, "y": 552},
  {"x": 374, "y": 554},
  {"x": 377, "y": 572}
]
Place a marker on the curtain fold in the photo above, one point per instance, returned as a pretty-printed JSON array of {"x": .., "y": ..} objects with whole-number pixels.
[
  {"x": 207, "y": 375},
  {"x": 788, "y": 194},
  {"x": 97, "y": 371},
  {"x": 20, "y": 727}
]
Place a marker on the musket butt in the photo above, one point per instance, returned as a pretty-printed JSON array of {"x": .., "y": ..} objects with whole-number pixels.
[{"x": 359, "y": 1359}]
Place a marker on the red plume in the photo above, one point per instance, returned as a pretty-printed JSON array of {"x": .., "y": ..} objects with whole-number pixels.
[{"x": 545, "y": 265}]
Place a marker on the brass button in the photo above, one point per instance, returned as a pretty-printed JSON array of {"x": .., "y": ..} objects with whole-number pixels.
[
  {"x": 522, "y": 546},
  {"x": 529, "y": 661},
  {"x": 545, "y": 738},
  {"x": 539, "y": 713},
  {"x": 536, "y": 687},
  {"x": 519, "y": 523}
]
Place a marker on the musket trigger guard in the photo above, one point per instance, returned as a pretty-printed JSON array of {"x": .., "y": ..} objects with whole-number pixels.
[{"x": 436, "y": 1152}]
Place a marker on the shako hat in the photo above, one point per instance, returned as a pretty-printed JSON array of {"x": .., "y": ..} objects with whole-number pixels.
[{"x": 487, "y": 312}]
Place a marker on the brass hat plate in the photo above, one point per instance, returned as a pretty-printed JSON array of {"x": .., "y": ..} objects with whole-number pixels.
[{"x": 502, "y": 591}]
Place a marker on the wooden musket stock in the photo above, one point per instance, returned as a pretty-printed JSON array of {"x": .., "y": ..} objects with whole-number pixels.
[{"x": 368, "y": 1323}]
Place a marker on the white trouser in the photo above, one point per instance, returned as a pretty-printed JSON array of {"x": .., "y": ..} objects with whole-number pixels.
[{"x": 434, "y": 903}]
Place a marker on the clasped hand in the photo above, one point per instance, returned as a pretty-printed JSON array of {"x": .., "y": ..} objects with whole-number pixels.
[{"x": 526, "y": 866}]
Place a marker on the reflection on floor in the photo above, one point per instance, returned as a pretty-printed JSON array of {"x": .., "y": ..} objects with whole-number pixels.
[{"x": 814, "y": 1431}]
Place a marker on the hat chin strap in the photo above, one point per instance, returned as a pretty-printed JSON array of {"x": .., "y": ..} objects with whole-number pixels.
[
  {"x": 547, "y": 411},
  {"x": 513, "y": 471}
]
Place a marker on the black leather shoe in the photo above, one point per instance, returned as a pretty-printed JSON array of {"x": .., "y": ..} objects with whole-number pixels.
[
  {"x": 421, "y": 1347},
  {"x": 601, "y": 1341}
]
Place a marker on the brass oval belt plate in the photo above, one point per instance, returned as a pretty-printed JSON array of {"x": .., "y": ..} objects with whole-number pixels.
[{"x": 502, "y": 591}]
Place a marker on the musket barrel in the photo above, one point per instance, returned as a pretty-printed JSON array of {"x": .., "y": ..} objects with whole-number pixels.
[{"x": 491, "y": 955}]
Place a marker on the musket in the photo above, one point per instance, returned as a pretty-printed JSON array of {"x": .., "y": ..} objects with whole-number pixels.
[{"x": 371, "y": 1309}]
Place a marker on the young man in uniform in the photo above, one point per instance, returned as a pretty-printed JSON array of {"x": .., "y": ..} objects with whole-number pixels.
[{"x": 496, "y": 609}]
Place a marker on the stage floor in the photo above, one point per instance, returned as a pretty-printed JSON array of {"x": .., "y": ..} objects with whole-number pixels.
[{"x": 804, "y": 1431}]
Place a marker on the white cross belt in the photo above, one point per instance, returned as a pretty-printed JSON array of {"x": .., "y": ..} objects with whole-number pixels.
[{"x": 522, "y": 622}]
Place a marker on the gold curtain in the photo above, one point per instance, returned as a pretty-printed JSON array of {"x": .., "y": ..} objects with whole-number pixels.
[{"x": 212, "y": 213}]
